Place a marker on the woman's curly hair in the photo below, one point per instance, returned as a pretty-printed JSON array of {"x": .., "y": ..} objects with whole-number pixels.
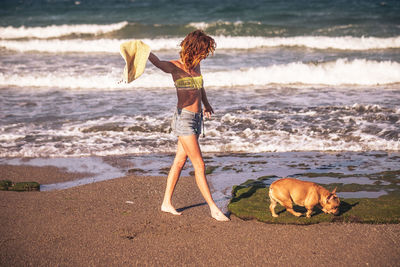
[{"x": 195, "y": 47}]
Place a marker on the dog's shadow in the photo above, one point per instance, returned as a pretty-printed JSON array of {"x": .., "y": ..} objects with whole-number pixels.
[{"x": 343, "y": 208}]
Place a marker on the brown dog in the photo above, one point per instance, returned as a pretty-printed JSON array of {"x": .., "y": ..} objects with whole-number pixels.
[{"x": 306, "y": 194}]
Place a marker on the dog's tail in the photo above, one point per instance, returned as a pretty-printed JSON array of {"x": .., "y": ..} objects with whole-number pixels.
[
  {"x": 271, "y": 194},
  {"x": 270, "y": 191}
]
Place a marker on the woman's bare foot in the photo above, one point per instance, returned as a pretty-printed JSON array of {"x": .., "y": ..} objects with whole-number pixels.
[
  {"x": 219, "y": 216},
  {"x": 170, "y": 209}
]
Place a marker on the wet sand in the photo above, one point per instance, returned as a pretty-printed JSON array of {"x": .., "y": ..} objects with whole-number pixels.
[{"x": 92, "y": 225}]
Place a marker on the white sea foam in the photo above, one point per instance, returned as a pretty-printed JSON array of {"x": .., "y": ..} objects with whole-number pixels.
[
  {"x": 282, "y": 142},
  {"x": 204, "y": 25},
  {"x": 223, "y": 42},
  {"x": 227, "y": 28},
  {"x": 232, "y": 132},
  {"x": 115, "y": 143},
  {"x": 84, "y": 81},
  {"x": 339, "y": 72},
  {"x": 54, "y": 31},
  {"x": 317, "y": 42},
  {"x": 63, "y": 46},
  {"x": 82, "y": 46}
]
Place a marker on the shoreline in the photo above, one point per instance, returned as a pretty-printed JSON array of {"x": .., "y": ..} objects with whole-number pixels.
[
  {"x": 239, "y": 167},
  {"x": 224, "y": 170},
  {"x": 94, "y": 225}
]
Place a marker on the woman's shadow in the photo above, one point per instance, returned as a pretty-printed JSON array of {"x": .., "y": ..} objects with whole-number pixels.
[{"x": 191, "y": 206}]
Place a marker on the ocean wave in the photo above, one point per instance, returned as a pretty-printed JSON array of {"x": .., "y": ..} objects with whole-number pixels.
[
  {"x": 82, "y": 45},
  {"x": 224, "y": 28},
  {"x": 357, "y": 127},
  {"x": 77, "y": 143},
  {"x": 204, "y": 25},
  {"x": 238, "y": 28},
  {"x": 316, "y": 42},
  {"x": 223, "y": 42},
  {"x": 54, "y": 31},
  {"x": 83, "y": 81},
  {"x": 339, "y": 72}
]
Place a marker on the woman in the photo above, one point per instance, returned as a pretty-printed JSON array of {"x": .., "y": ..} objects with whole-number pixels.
[{"x": 188, "y": 117}]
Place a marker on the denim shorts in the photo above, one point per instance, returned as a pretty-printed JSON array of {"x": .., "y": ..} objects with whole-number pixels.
[{"x": 186, "y": 122}]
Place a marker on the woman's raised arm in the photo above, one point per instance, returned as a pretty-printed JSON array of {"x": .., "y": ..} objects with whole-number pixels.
[{"x": 165, "y": 66}]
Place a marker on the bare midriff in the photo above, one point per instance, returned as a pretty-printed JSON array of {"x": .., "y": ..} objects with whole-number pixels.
[{"x": 189, "y": 100}]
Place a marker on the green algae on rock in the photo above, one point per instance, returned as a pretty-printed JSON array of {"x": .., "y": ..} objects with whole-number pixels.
[
  {"x": 250, "y": 201},
  {"x": 209, "y": 170},
  {"x": 7, "y": 185},
  {"x": 136, "y": 171}
]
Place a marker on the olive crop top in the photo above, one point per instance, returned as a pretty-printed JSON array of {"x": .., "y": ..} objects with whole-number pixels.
[{"x": 187, "y": 83}]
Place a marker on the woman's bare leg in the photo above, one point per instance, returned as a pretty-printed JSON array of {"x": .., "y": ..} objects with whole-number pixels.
[
  {"x": 191, "y": 146},
  {"x": 173, "y": 177}
]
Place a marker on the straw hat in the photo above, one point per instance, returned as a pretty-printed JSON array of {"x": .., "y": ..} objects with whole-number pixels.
[{"x": 135, "y": 54}]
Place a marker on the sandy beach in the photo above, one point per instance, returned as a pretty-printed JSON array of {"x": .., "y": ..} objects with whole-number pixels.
[
  {"x": 302, "y": 90},
  {"x": 94, "y": 225}
]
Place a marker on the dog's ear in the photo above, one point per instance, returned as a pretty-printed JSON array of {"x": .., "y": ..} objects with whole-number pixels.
[
  {"x": 334, "y": 191},
  {"x": 331, "y": 196}
]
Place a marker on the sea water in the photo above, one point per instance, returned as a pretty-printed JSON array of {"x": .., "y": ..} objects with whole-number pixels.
[{"x": 287, "y": 77}]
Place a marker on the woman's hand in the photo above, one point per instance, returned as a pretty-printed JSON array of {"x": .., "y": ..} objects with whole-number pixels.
[{"x": 208, "y": 110}]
